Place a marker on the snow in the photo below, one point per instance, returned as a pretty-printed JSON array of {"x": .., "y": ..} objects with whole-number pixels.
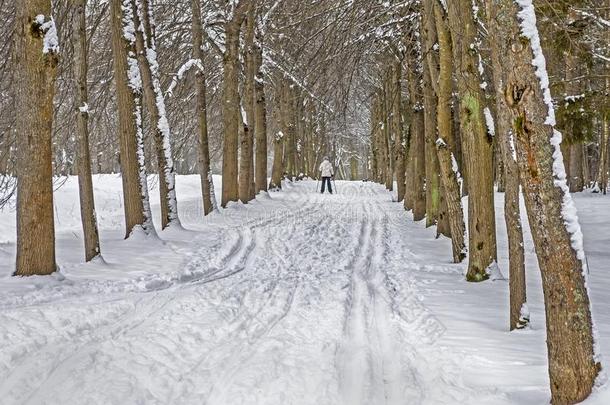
[
  {"x": 489, "y": 121},
  {"x": 50, "y": 41},
  {"x": 456, "y": 169},
  {"x": 129, "y": 29},
  {"x": 294, "y": 298},
  {"x": 524, "y": 314},
  {"x": 182, "y": 71},
  {"x": 147, "y": 226},
  {"x": 595, "y": 17},
  {"x": 511, "y": 142}
]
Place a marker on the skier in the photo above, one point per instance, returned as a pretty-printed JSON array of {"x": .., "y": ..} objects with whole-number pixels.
[{"x": 326, "y": 171}]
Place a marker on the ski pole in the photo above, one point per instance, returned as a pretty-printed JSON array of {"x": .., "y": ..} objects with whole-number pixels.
[
  {"x": 335, "y": 186},
  {"x": 317, "y": 184}
]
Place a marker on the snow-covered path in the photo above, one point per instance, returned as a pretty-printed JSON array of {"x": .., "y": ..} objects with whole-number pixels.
[
  {"x": 297, "y": 298},
  {"x": 292, "y": 302}
]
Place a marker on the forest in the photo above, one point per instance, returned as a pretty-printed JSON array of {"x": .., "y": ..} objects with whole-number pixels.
[{"x": 183, "y": 140}]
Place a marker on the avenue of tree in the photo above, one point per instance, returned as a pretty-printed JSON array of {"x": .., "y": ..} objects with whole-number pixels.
[{"x": 438, "y": 100}]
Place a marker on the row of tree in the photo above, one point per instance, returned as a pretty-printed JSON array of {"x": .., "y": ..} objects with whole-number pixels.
[
  {"x": 475, "y": 100},
  {"x": 94, "y": 74},
  {"x": 456, "y": 95}
]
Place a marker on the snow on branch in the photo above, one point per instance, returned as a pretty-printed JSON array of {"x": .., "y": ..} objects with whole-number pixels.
[
  {"x": 602, "y": 57},
  {"x": 296, "y": 81},
  {"x": 265, "y": 18},
  {"x": 188, "y": 65},
  {"x": 50, "y": 42},
  {"x": 595, "y": 18}
]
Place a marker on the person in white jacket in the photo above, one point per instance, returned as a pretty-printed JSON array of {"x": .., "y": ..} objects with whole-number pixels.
[{"x": 327, "y": 172}]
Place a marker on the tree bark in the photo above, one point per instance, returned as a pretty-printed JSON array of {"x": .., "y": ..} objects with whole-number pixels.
[
  {"x": 374, "y": 163},
  {"x": 387, "y": 132},
  {"x": 555, "y": 229},
  {"x": 246, "y": 175},
  {"x": 231, "y": 105},
  {"x": 288, "y": 127},
  {"x": 430, "y": 62},
  {"x": 417, "y": 147},
  {"x": 35, "y": 73},
  {"x": 572, "y": 132},
  {"x": 278, "y": 162},
  {"x": 155, "y": 105},
  {"x": 399, "y": 142},
  {"x": 85, "y": 182},
  {"x": 576, "y": 180},
  {"x": 260, "y": 121},
  {"x": 205, "y": 171},
  {"x": 129, "y": 101},
  {"x": 602, "y": 171},
  {"x": 519, "y": 314},
  {"x": 447, "y": 163},
  {"x": 477, "y": 145}
]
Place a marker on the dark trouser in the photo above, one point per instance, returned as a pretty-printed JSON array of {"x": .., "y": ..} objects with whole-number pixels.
[{"x": 326, "y": 180}]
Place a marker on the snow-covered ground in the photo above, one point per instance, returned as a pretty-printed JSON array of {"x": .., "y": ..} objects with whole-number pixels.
[{"x": 296, "y": 298}]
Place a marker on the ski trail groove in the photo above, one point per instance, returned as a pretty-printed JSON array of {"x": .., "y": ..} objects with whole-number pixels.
[{"x": 293, "y": 304}]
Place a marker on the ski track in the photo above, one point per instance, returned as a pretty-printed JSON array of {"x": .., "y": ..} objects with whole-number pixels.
[{"x": 307, "y": 302}]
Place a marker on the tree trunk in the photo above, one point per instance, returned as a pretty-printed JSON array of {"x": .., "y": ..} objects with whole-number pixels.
[
  {"x": 430, "y": 62},
  {"x": 574, "y": 134},
  {"x": 129, "y": 102},
  {"x": 551, "y": 212},
  {"x": 287, "y": 120},
  {"x": 477, "y": 145},
  {"x": 35, "y": 71},
  {"x": 246, "y": 176},
  {"x": 278, "y": 162},
  {"x": 519, "y": 313},
  {"x": 499, "y": 170},
  {"x": 417, "y": 147},
  {"x": 399, "y": 147},
  {"x": 85, "y": 183},
  {"x": 205, "y": 171},
  {"x": 602, "y": 171},
  {"x": 260, "y": 121},
  {"x": 387, "y": 132},
  {"x": 231, "y": 105},
  {"x": 155, "y": 105},
  {"x": 374, "y": 149},
  {"x": 353, "y": 169},
  {"x": 447, "y": 163},
  {"x": 576, "y": 180}
]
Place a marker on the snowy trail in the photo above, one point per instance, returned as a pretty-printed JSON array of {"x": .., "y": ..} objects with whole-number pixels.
[{"x": 299, "y": 299}]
